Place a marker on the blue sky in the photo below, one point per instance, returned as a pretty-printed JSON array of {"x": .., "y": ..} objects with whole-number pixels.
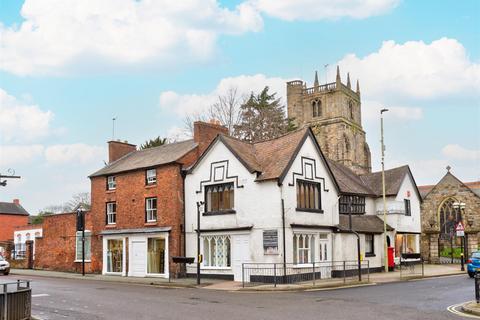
[{"x": 67, "y": 68}]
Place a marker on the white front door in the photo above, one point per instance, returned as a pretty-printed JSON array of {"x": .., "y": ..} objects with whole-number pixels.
[
  {"x": 240, "y": 254},
  {"x": 138, "y": 258}
]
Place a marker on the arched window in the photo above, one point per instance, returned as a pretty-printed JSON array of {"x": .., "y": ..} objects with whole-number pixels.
[
  {"x": 27, "y": 237},
  {"x": 316, "y": 108},
  {"x": 19, "y": 238},
  {"x": 350, "y": 109},
  {"x": 449, "y": 217}
]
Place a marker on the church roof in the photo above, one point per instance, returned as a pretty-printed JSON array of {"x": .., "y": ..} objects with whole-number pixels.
[{"x": 473, "y": 186}]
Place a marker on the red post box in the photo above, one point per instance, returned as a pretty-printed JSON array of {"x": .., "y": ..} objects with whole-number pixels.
[{"x": 391, "y": 261}]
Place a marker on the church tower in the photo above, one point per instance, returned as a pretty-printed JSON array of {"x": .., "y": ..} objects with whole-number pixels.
[{"x": 333, "y": 111}]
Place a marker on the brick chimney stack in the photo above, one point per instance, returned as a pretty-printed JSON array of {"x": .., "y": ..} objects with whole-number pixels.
[
  {"x": 16, "y": 201},
  {"x": 204, "y": 133},
  {"x": 117, "y": 149}
]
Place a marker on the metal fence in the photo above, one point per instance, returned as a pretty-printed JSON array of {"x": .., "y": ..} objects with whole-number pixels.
[
  {"x": 15, "y": 300},
  {"x": 411, "y": 268},
  {"x": 288, "y": 273}
]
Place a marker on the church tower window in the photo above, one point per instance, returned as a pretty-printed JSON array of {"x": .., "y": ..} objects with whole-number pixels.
[
  {"x": 350, "y": 109},
  {"x": 316, "y": 108}
]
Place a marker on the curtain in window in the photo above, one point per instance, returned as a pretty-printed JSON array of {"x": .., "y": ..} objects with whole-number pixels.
[
  {"x": 115, "y": 255},
  {"x": 156, "y": 255}
]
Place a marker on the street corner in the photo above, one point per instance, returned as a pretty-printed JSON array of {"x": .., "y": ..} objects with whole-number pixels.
[{"x": 469, "y": 309}]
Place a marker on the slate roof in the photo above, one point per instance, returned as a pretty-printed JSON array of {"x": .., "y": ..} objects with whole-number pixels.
[
  {"x": 393, "y": 180},
  {"x": 348, "y": 181},
  {"x": 474, "y": 186},
  {"x": 12, "y": 208},
  {"x": 269, "y": 158},
  {"x": 362, "y": 224},
  {"x": 150, "y": 157}
]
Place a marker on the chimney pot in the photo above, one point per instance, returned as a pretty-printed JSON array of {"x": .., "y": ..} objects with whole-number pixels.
[{"x": 16, "y": 201}]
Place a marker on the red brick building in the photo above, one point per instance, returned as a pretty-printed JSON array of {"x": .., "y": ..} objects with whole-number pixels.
[
  {"x": 137, "y": 212},
  {"x": 12, "y": 214}
]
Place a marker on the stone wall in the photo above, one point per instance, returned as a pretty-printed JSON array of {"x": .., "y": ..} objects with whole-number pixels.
[{"x": 449, "y": 186}]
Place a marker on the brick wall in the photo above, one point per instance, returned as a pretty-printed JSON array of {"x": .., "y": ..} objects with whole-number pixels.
[
  {"x": 130, "y": 195},
  {"x": 8, "y": 222},
  {"x": 56, "y": 249}
]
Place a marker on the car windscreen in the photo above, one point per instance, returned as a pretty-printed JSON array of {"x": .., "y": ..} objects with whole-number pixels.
[
  {"x": 476, "y": 255},
  {"x": 2, "y": 258}
]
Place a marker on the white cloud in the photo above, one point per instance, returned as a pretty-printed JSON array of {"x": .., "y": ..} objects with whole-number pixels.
[
  {"x": 455, "y": 151},
  {"x": 190, "y": 104},
  {"x": 415, "y": 69},
  {"x": 20, "y": 121},
  {"x": 324, "y": 9},
  {"x": 178, "y": 134},
  {"x": 371, "y": 111},
  {"x": 13, "y": 155},
  {"x": 74, "y": 154},
  {"x": 59, "y": 36}
]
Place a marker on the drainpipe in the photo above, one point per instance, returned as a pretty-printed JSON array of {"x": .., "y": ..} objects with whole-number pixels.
[
  {"x": 284, "y": 240},
  {"x": 358, "y": 245}
]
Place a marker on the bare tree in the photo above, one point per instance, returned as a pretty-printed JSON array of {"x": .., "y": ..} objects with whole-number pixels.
[{"x": 226, "y": 110}]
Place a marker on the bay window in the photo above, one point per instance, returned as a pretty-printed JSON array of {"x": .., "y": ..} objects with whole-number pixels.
[
  {"x": 216, "y": 251},
  {"x": 303, "y": 245}
]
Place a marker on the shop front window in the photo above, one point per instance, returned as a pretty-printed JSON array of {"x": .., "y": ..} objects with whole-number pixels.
[
  {"x": 156, "y": 255},
  {"x": 115, "y": 255}
]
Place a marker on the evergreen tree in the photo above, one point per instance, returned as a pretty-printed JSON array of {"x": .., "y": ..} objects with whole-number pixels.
[
  {"x": 262, "y": 118},
  {"x": 154, "y": 143}
]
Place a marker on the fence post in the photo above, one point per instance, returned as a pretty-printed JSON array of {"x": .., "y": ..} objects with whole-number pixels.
[
  {"x": 275, "y": 275},
  {"x": 5, "y": 290},
  {"x": 314, "y": 276},
  {"x": 368, "y": 270},
  {"x": 423, "y": 268},
  {"x": 344, "y": 272},
  {"x": 243, "y": 275}
]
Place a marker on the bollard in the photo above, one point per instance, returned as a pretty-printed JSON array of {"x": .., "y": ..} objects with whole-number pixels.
[
  {"x": 477, "y": 289},
  {"x": 275, "y": 275}
]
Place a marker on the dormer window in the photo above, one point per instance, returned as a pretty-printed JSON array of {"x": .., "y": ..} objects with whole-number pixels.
[
  {"x": 219, "y": 198},
  {"x": 111, "y": 183},
  {"x": 151, "y": 176}
]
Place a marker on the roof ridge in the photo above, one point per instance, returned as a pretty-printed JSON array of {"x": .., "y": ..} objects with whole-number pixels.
[{"x": 283, "y": 135}]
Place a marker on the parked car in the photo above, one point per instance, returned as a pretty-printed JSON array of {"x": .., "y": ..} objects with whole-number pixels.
[
  {"x": 473, "y": 264},
  {"x": 4, "y": 266}
]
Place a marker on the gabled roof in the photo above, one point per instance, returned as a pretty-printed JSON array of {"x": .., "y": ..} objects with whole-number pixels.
[
  {"x": 348, "y": 181},
  {"x": 474, "y": 186},
  {"x": 393, "y": 180},
  {"x": 362, "y": 224},
  {"x": 150, "y": 157},
  {"x": 12, "y": 208},
  {"x": 270, "y": 159}
]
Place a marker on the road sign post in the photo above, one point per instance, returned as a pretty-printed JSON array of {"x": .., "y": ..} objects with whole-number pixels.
[{"x": 460, "y": 229}]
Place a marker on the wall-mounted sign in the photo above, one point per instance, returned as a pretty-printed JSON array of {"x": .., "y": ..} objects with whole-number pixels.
[{"x": 270, "y": 241}]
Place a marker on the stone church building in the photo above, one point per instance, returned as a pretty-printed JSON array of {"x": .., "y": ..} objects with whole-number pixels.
[
  {"x": 444, "y": 205},
  {"x": 333, "y": 111}
]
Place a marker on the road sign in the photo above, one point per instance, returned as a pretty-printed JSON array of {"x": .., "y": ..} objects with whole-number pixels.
[{"x": 460, "y": 229}]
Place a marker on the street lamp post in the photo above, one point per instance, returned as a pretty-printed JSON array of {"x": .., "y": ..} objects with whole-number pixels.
[
  {"x": 199, "y": 256},
  {"x": 460, "y": 207},
  {"x": 81, "y": 227},
  {"x": 385, "y": 247}
]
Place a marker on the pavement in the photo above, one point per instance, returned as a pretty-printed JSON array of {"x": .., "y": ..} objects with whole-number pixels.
[
  {"x": 471, "y": 307},
  {"x": 430, "y": 270},
  {"x": 82, "y": 299}
]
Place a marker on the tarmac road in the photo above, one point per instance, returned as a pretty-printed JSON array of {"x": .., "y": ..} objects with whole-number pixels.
[{"x": 55, "y": 298}]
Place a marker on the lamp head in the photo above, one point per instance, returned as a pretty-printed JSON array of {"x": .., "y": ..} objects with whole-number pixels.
[{"x": 383, "y": 110}]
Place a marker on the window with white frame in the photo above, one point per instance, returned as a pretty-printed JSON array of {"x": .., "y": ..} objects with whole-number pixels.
[
  {"x": 111, "y": 183},
  {"x": 151, "y": 209},
  {"x": 78, "y": 246},
  {"x": 111, "y": 212},
  {"x": 151, "y": 176},
  {"x": 216, "y": 251},
  {"x": 369, "y": 245},
  {"x": 302, "y": 248}
]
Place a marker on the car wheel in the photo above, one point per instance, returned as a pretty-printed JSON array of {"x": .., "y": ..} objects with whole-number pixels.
[
  {"x": 5, "y": 273},
  {"x": 471, "y": 274}
]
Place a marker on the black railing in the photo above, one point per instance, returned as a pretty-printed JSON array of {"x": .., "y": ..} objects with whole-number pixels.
[
  {"x": 280, "y": 273},
  {"x": 15, "y": 300}
]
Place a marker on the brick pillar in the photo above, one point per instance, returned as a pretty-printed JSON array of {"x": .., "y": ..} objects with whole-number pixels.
[
  {"x": 434, "y": 257},
  {"x": 29, "y": 254}
]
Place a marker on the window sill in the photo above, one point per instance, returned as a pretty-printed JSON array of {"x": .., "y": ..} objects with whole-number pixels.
[
  {"x": 110, "y": 190},
  {"x": 216, "y": 268},
  {"x": 110, "y": 226},
  {"x": 150, "y": 186},
  {"x": 368, "y": 255},
  {"x": 151, "y": 223},
  {"x": 299, "y": 266},
  {"x": 86, "y": 261},
  {"x": 309, "y": 210},
  {"x": 217, "y": 213}
]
